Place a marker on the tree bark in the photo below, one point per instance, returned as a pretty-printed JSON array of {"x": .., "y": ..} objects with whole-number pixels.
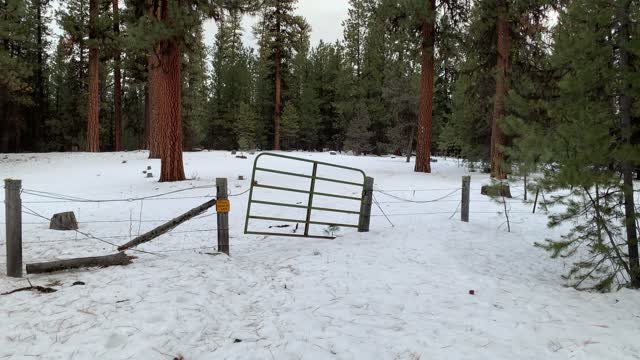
[
  {"x": 170, "y": 105},
  {"x": 93, "y": 113},
  {"x": 627, "y": 131},
  {"x": 117, "y": 82},
  {"x": 498, "y": 138},
  {"x": 147, "y": 118},
  {"x": 423, "y": 146}
]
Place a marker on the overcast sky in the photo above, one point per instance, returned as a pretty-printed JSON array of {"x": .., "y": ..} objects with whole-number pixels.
[{"x": 324, "y": 16}]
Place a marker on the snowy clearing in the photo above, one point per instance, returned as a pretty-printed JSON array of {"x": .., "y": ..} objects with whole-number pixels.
[{"x": 397, "y": 292}]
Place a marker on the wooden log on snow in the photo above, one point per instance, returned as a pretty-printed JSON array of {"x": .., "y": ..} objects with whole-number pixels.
[
  {"x": 164, "y": 228},
  {"x": 97, "y": 261}
]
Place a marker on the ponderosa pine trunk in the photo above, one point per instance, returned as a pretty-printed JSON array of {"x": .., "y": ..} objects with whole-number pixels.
[
  {"x": 169, "y": 93},
  {"x": 625, "y": 102},
  {"x": 498, "y": 138},
  {"x": 117, "y": 82},
  {"x": 93, "y": 113},
  {"x": 423, "y": 146},
  {"x": 147, "y": 117}
]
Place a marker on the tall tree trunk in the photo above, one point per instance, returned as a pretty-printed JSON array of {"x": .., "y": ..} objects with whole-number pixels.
[
  {"x": 627, "y": 131},
  {"x": 498, "y": 138},
  {"x": 117, "y": 82},
  {"x": 277, "y": 110},
  {"x": 412, "y": 135},
  {"x": 153, "y": 70},
  {"x": 170, "y": 105},
  {"x": 423, "y": 147},
  {"x": 36, "y": 126},
  {"x": 93, "y": 113},
  {"x": 147, "y": 118}
]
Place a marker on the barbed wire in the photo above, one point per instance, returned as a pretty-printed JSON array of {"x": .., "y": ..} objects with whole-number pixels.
[
  {"x": 110, "y": 221},
  {"x": 449, "y": 212},
  {"x": 69, "y": 198},
  {"x": 86, "y": 235},
  {"x": 419, "y": 201},
  {"x": 413, "y": 190}
]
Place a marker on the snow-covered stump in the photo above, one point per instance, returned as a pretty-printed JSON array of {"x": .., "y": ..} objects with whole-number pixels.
[
  {"x": 13, "y": 223},
  {"x": 64, "y": 221}
]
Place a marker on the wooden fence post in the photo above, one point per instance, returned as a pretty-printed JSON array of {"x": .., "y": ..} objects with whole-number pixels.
[
  {"x": 13, "y": 216},
  {"x": 365, "y": 206},
  {"x": 466, "y": 189},
  {"x": 223, "y": 215}
]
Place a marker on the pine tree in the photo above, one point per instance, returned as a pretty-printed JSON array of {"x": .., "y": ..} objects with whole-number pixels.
[
  {"x": 232, "y": 82},
  {"x": 245, "y": 127},
  {"x": 427, "y": 31},
  {"x": 290, "y": 127},
  {"x": 278, "y": 33},
  {"x": 117, "y": 79},
  {"x": 195, "y": 89},
  {"x": 588, "y": 144},
  {"x": 93, "y": 122},
  {"x": 163, "y": 32},
  {"x": 358, "y": 137},
  {"x": 15, "y": 89}
]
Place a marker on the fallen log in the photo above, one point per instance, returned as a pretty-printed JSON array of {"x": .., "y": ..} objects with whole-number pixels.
[
  {"x": 103, "y": 261},
  {"x": 146, "y": 237}
]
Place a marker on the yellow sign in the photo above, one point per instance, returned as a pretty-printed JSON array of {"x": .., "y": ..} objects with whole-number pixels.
[{"x": 223, "y": 206}]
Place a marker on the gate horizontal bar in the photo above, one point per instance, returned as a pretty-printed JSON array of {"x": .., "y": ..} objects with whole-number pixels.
[
  {"x": 336, "y": 210},
  {"x": 335, "y": 224},
  {"x": 283, "y": 172},
  {"x": 311, "y": 161},
  {"x": 304, "y": 207},
  {"x": 279, "y": 204},
  {"x": 300, "y": 221},
  {"x": 340, "y": 181},
  {"x": 276, "y": 219},
  {"x": 307, "y": 192},
  {"x": 338, "y": 196},
  {"x": 290, "y": 235},
  {"x": 282, "y": 188}
]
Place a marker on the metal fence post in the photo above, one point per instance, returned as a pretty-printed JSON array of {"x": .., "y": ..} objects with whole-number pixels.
[
  {"x": 13, "y": 216},
  {"x": 466, "y": 189},
  {"x": 365, "y": 206},
  {"x": 223, "y": 216}
]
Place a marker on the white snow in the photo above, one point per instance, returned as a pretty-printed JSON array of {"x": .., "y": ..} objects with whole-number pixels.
[{"x": 397, "y": 292}]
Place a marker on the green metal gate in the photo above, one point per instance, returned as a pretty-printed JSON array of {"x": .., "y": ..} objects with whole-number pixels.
[{"x": 311, "y": 192}]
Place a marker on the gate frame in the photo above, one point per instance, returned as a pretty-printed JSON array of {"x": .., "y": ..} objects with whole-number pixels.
[{"x": 363, "y": 222}]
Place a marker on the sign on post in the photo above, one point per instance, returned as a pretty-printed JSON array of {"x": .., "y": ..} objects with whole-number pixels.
[{"x": 223, "y": 206}]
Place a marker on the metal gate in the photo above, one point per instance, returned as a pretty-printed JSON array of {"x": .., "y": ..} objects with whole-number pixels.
[{"x": 312, "y": 194}]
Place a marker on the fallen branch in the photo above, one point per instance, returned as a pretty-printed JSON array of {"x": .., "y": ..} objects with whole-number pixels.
[
  {"x": 40, "y": 289},
  {"x": 97, "y": 261},
  {"x": 162, "y": 229}
]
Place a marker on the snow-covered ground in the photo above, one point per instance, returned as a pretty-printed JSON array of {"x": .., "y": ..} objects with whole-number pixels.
[{"x": 397, "y": 292}]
